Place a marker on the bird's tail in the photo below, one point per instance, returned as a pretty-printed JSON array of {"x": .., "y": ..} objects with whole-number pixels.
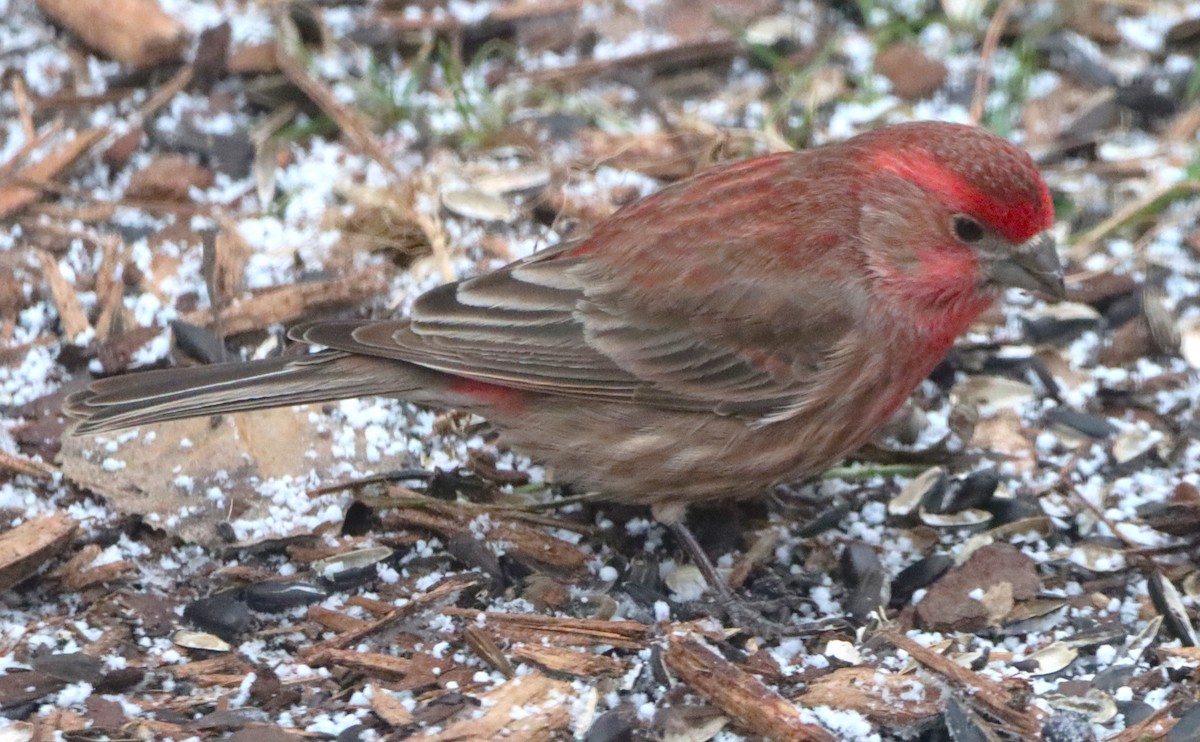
[{"x": 173, "y": 394}]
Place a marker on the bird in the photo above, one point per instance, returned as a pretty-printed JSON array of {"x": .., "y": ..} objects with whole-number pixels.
[{"x": 748, "y": 326}]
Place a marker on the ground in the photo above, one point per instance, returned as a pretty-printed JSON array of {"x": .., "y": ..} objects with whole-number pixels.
[{"x": 181, "y": 181}]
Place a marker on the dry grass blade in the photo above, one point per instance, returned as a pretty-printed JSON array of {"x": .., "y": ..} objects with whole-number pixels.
[
  {"x": 164, "y": 94},
  {"x": 740, "y": 695},
  {"x": 1133, "y": 211}
]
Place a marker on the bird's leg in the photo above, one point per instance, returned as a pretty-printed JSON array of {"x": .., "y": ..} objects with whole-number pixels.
[{"x": 738, "y": 612}]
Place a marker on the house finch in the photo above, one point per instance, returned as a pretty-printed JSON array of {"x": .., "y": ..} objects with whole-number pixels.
[{"x": 747, "y": 326}]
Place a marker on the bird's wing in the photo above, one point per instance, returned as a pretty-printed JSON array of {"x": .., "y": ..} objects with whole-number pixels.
[{"x": 551, "y": 324}]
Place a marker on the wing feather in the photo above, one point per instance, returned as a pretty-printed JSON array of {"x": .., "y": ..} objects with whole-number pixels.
[{"x": 563, "y": 322}]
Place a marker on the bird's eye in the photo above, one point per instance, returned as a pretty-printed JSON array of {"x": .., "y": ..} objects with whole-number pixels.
[{"x": 967, "y": 229}]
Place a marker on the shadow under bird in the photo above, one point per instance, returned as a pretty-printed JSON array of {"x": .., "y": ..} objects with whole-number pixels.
[{"x": 748, "y": 326}]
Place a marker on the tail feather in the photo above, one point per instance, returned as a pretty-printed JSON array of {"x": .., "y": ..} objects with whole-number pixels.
[{"x": 174, "y": 394}]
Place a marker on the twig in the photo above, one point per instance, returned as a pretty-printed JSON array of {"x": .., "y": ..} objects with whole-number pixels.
[
  {"x": 990, "y": 40},
  {"x": 26, "y": 467},
  {"x": 347, "y": 120}
]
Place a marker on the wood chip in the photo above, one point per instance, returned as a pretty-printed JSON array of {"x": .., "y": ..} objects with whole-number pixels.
[
  {"x": 525, "y": 709},
  {"x": 989, "y": 696},
  {"x": 289, "y": 303},
  {"x": 388, "y": 707},
  {"x": 336, "y": 621},
  {"x": 25, "y": 467},
  {"x": 569, "y": 632},
  {"x": 133, "y": 32},
  {"x": 70, "y": 312},
  {"x": 26, "y": 186},
  {"x": 569, "y": 661},
  {"x": 226, "y": 663},
  {"x": 383, "y": 666},
  {"x": 24, "y": 549},
  {"x": 740, "y": 695},
  {"x": 77, "y": 573},
  {"x": 484, "y": 644},
  {"x": 888, "y": 700}
]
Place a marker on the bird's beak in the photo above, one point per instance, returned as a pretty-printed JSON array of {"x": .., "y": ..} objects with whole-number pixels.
[{"x": 1034, "y": 266}]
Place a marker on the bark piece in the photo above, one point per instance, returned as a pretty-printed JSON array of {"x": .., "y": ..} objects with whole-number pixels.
[
  {"x": 889, "y": 700},
  {"x": 286, "y": 304},
  {"x": 533, "y": 707},
  {"x": 27, "y": 547},
  {"x": 987, "y": 695},
  {"x": 743, "y": 697},
  {"x": 568, "y": 632},
  {"x": 24, "y": 191},
  {"x": 388, "y": 708},
  {"x": 569, "y": 661}
]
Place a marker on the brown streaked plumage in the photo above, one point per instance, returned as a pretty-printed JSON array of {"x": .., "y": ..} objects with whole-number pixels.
[{"x": 749, "y": 325}]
